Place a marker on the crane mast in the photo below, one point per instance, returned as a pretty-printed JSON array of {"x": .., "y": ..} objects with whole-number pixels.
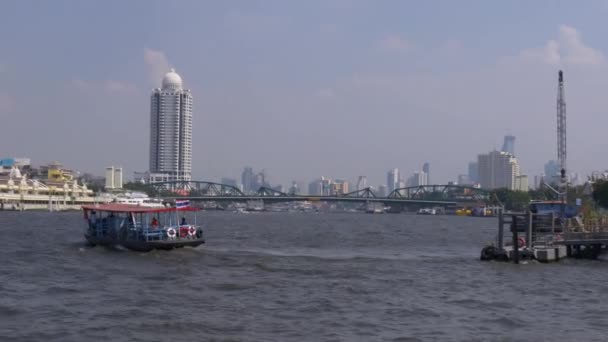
[{"x": 561, "y": 134}]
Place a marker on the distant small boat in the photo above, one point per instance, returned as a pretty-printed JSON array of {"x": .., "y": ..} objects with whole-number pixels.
[
  {"x": 427, "y": 211},
  {"x": 140, "y": 228},
  {"x": 375, "y": 208}
]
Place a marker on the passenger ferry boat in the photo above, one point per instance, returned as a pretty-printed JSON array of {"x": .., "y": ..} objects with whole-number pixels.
[{"x": 141, "y": 228}]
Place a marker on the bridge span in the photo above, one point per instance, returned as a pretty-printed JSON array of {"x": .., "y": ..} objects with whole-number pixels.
[{"x": 418, "y": 196}]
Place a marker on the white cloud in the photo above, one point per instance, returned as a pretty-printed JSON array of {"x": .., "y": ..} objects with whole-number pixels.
[
  {"x": 111, "y": 86},
  {"x": 157, "y": 63},
  {"x": 325, "y": 93},
  {"x": 452, "y": 46},
  {"x": 120, "y": 87},
  {"x": 568, "y": 49},
  {"x": 575, "y": 51},
  {"x": 79, "y": 84},
  {"x": 395, "y": 42}
]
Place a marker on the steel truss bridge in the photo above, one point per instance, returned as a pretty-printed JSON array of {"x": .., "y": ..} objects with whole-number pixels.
[{"x": 428, "y": 195}]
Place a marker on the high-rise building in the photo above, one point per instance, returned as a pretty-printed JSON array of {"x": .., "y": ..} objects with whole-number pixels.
[
  {"x": 426, "y": 168},
  {"x": 339, "y": 187},
  {"x": 521, "y": 183},
  {"x": 464, "y": 180},
  {"x": 552, "y": 171},
  {"x": 113, "y": 178},
  {"x": 229, "y": 181},
  {"x": 320, "y": 187},
  {"x": 498, "y": 170},
  {"x": 418, "y": 179},
  {"x": 171, "y": 129},
  {"x": 247, "y": 179},
  {"x": 538, "y": 181},
  {"x": 509, "y": 144},
  {"x": 362, "y": 183},
  {"x": 474, "y": 172},
  {"x": 294, "y": 189},
  {"x": 392, "y": 178},
  {"x": 382, "y": 191}
]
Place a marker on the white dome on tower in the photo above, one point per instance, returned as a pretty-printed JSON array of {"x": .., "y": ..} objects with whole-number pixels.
[{"x": 172, "y": 80}]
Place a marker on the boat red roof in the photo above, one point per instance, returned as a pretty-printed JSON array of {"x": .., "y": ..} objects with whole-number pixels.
[{"x": 129, "y": 208}]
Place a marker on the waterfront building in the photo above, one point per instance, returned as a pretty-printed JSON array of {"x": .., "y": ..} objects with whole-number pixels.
[
  {"x": 498, "y": 169},
  {"x": 521, "y": 183},
  {"x": 113, "y": 178},
  {"x": 171, "y": 130},
  {"x": 392, "y": 178},
  {"x": 426, "y": 168},
  {"x": 19, "y": 192}
]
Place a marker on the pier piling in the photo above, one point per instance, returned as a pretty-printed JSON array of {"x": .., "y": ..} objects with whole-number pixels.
[
  {"x": 501, "y": 223},
  {"x": 515, "y": 242}
]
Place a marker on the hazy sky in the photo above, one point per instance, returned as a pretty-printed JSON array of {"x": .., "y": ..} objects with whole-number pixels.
[{"x": 306, "y": 88}]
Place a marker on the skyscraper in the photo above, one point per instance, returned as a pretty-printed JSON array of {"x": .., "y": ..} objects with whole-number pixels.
[
  {"x": 473, "y": 172},
  {"x": 392, "y": 178},
  {"x": 419, "y": 178},
  {"x": 248, "y": 180},
  {"x": 509, "y": 144},
  {"x": 171, "y": 130},
  {"x": 361, "y": 183},
  {"x": 426, "y": 168}
]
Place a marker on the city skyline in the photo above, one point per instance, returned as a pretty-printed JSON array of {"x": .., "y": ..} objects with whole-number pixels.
[{"x": 304, "y": 90}]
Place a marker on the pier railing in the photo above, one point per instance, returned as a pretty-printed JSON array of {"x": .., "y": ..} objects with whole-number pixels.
[{"x": 548, "y": 229}]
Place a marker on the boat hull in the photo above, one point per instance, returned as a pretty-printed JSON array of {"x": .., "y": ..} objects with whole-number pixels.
[{"x": 143, "y": 246}]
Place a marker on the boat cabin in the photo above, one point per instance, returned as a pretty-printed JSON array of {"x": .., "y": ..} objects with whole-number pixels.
[{"x": 141, "y": 228}]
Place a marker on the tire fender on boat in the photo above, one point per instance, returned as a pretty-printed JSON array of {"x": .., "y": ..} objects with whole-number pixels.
[
  {"x": 171, "y": 233},
  {"x": 521, "y": 242},
  {"x": 199, "y": 233},
  {"x": 488, "y": 253}
]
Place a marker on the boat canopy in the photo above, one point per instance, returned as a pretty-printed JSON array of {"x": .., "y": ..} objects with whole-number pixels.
[{"x": 128, "y": 208}]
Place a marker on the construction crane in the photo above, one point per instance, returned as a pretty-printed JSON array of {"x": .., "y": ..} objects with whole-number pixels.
[{"x": 561, "y": 135}]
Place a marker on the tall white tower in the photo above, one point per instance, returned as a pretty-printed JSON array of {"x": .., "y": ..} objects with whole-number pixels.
[{"x": 171, "y": 129}]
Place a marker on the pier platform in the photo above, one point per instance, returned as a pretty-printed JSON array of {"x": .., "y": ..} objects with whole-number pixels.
[{"x": 545, "y": 238}]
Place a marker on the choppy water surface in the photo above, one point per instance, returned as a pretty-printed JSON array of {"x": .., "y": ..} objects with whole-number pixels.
[{"x": 291, "y": 277}]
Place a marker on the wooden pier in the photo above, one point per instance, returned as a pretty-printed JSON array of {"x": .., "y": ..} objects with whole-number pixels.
[{"x": 546, "y": 238}]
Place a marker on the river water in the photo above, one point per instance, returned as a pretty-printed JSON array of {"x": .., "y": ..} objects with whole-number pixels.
[{"x": 291, "y": 277}]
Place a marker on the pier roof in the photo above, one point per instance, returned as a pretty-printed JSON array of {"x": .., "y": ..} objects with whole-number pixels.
[{"x": 129, "y": 208}]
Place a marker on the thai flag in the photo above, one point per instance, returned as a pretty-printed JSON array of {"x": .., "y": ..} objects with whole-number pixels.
[{"x": 179, "y": 204}]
